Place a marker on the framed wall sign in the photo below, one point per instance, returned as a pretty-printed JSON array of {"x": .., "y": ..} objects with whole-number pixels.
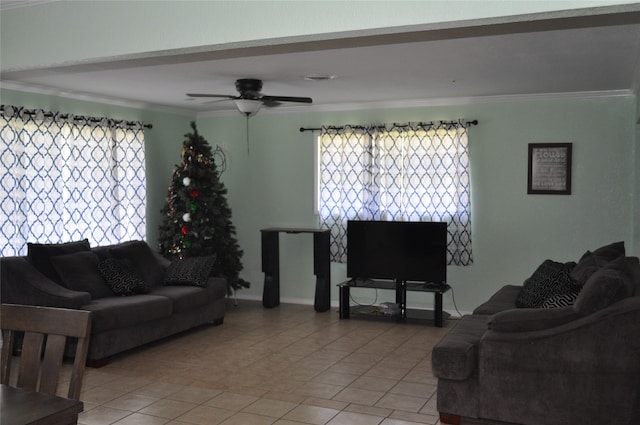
[{"x": 549, "y": 169}]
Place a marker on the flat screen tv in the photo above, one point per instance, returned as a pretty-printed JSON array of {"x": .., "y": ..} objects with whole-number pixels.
[{"x": 397, "y": 250}]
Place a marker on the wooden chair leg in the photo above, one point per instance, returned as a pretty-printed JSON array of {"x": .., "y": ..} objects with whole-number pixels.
[{"x": 449, "y": 419}]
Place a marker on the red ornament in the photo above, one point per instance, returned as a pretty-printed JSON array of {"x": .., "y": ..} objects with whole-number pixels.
[
  {"x": 184, "y": 230},
  {"x": 194, "y": 193}
]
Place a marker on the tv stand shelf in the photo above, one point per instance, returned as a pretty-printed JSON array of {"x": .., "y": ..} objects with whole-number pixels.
[{"x": 401, "y": 288}]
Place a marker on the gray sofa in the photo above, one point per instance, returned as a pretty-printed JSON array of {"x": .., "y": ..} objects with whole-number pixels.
[
  {"x": 564, "y": 365},
  {"x": 135, "y": 295}
]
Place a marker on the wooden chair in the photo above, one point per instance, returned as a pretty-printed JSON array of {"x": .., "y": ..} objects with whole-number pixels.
[{"x": 48, "y": 328}]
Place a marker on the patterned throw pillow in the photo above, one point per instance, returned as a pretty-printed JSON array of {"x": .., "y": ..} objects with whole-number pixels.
[
  {"x": 550, "y": 278},
  {"x": 561, "y": 300},
  {"x": 194, "y": 271},
  {"x": 122, "y": 276}
]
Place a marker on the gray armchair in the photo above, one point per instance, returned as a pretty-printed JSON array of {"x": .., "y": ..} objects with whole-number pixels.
[{"x": 576, "y": 365}]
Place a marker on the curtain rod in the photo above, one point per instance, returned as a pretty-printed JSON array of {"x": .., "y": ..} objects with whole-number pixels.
[
  {"x": 80, "y": 118},
  {"x": 420, "y": 124}
]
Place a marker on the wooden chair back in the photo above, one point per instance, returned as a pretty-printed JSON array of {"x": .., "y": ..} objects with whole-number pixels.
[{"x": 45, "y": 328}]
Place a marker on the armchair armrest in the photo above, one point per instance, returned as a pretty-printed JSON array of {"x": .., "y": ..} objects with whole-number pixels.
[
  {"x": 21, "y": 283},
  {"x": 611, "y": 318},
  {"x": 531, "y": 319}
]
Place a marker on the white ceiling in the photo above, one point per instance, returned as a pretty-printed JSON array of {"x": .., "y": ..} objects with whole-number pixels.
[{"x": 583, "y": 55}]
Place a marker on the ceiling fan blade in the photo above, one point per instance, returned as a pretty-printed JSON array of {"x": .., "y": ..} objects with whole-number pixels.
[
  {"x": 219, "y": 100},
  {"x": 211, "y": 95},
  {"x": 286, "y": 99},
  {"x": 270, "y": 103}
]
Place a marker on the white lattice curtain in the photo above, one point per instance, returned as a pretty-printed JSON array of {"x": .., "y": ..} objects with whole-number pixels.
[
  {"x": 66, "y": 178},
  {"x": 412, "y": 172}
]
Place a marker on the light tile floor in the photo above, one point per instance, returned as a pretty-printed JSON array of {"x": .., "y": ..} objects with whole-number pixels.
[{"x": 283, "y": 366}]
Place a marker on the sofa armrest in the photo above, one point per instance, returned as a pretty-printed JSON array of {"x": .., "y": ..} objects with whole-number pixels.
[
  {"x": 531, "y": 319},
  {"x": 21, "y": 283}
]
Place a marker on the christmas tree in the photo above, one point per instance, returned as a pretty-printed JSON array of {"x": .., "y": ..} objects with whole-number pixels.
[{"x": 196, "y": 220}]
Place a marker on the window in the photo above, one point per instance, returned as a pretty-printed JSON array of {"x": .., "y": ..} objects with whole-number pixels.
[
  {"x": 67, "y": 178},
  {"x": 413, "y": 172}
]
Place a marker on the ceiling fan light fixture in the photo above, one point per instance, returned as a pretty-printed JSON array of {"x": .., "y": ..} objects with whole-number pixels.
[{"x": 248, "y": 106}]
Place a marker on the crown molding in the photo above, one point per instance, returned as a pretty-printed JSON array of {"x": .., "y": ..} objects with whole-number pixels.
[
  {"x": 355, "y": 106},
  {"x": 422, "y": 103},
  {"x": 14, "y": 4},
  {"x": 13, "y": 85}
]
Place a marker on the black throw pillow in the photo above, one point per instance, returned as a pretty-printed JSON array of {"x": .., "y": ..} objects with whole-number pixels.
[
  {"x": 550, "y": 276},
  {"x": 142, "y": 257},
  {"x": 610, "y": 284},
  {"x": 194, "y": 271},
  {"x": 122, "y": 276},
  {"x": 40, "y": 256},
  {"x": 79, "y": 272},
  {"x": 591, "y": 262}
]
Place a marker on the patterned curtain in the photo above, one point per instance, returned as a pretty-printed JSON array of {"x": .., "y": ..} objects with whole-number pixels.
[
  {"x": 412, "y": 172},
  {"x": 66, "y": 177}
]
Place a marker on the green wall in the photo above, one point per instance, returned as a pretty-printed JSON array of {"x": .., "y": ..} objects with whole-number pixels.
[{"x": 513, "y": 232}]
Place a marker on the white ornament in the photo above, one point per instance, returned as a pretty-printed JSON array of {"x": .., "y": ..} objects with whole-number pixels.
[
  {"x": 186, "y": 217},
  {"x": 186, "y": 181}
]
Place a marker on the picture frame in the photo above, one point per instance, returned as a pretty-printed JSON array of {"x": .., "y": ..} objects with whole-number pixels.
[{"x": 549, "y": 171}]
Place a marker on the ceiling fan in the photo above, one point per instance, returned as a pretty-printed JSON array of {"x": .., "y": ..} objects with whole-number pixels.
[{"x": 251, "y": 99}]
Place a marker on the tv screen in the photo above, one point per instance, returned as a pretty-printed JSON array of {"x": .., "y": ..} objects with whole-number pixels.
[{"x": 397, "y": 250}]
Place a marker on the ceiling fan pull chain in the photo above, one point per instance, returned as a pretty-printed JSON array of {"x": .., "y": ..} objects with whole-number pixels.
[{"x": 247, "y": 132}]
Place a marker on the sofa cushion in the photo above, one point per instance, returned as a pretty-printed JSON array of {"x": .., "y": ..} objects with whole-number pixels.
[
  {"x": 121, "y": 312},
  {"x": 610, "y": 284},
  {"x": 503, "y": 299},
  {"x": 185, "y": 298},
  {"x": 40, "y": 255},
  {"x": 141, "y": 255},
  {"x": 455, "y": 357},
  {"x": 122, "y": 276},
  {"x": 79, "y": 272},
  {"x": 591, "y": 262},
  {"x": 550, "y": 278},
  {"x": 190, "y": 271}
]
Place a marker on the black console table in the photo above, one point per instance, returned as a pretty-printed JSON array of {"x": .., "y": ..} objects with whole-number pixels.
[
  {"x": 401, "y": 288},
  {"x": 271, "y": 266}
]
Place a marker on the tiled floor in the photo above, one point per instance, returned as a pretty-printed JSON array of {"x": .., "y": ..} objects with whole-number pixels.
[{"x": 283, "y": 366}]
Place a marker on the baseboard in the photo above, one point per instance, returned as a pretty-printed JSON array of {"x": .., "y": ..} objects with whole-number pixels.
[{"x": 453, "y": 314}]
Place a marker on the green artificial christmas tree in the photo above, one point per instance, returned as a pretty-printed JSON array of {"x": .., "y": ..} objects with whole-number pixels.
[{"x": 196, "y": 220}]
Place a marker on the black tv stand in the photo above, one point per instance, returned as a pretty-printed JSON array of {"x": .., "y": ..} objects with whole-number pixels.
[{"x": 401, "y": 288}]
